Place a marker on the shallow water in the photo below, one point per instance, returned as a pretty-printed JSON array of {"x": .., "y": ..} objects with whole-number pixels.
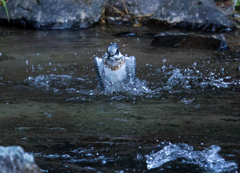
[{"x": 49, "y": 107}]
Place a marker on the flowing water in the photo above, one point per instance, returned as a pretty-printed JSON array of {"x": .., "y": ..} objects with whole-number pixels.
[{"x": 187, "y": 118}]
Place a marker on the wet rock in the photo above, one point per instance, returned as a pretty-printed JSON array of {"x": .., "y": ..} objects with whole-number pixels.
[
  {"x": 14, "y": 160},
  {"x": 193, "y": 14},
  {"x": 54, "y": 14},
  {"x": 190, "y": 41}
]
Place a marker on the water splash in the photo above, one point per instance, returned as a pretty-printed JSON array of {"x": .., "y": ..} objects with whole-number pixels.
[
  {"x": 136, "y": 88},
  {"x": 187, "y": 101},
  {"x": 55, "y": 83},
  {"x": 177, "y": 79},
  {"x": 53, "y": 156},
  {"x": 208, "y": 159},
  {"x": 166, "y": 79},
  {"x": 189, "y": 79},
  {"x": 64, "y": 83},
  {"x": 218, "y": 82}
]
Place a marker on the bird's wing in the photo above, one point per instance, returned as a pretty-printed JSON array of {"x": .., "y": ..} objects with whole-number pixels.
[
  {"x": 99, "y": 71},
  {"x": 131, "y": 66}
]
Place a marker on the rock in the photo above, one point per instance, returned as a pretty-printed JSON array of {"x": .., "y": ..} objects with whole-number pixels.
[
  {"x": 193, "y": 14},
  {"x": 190, "y": 41},
  {"x": 13, "y": 159},
  {"x": 54, "y": 14}
]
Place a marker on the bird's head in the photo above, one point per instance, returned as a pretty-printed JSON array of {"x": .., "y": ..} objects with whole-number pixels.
[{"x": 113, "y": 52}]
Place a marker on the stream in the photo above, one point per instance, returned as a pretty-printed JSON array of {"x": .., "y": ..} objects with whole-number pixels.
[{"x": 186, "y": 120}]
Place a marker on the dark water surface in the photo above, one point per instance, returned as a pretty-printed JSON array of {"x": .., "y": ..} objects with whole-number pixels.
[{"x": 49, "y": 107}]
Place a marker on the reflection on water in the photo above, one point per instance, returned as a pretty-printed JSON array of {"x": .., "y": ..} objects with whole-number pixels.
[{"x": 49, "y": 105}]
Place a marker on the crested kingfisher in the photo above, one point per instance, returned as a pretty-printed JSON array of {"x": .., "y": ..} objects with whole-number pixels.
[{"x": 114, "y": 69}]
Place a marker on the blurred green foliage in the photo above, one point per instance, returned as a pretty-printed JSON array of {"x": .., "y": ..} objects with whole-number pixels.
[
  {"x": 237, "y": 6},
  {"x": 238, "y": 3},
  {"x": 5, "y": 6}
]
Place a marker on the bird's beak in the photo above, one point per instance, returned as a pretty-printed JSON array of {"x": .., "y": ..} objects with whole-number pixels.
[
  {"x": 119, "y": 56},
  {"x": 109, "y": 57}
]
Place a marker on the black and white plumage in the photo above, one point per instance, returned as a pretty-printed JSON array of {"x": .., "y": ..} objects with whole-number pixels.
[{"x": 115, "y": 70}]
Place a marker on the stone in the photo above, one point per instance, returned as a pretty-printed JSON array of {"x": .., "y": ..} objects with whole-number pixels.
[
  {"x": 193, "y": 14},
  {"x": 54, "y": 14},
  {"x": 190, "y": 41},
  {"x": 14, "y": 159}
]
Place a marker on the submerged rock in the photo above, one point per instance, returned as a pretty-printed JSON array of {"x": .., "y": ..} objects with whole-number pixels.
[
  {"x": 190, "y": 41},
  {"x": 14, "y": 160},
  {"x": 193, "y": 14},
  {"x": 54, "y": 14}
]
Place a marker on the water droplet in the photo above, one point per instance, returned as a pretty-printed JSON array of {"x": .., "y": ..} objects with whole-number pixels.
[
  {"x": 30, "y": 78},
  {"x": 48, "y": 114},
  {"x": 164, "y": 60}
]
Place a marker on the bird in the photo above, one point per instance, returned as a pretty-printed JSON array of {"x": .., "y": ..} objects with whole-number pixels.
[{"x": 114, "y": 70}]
